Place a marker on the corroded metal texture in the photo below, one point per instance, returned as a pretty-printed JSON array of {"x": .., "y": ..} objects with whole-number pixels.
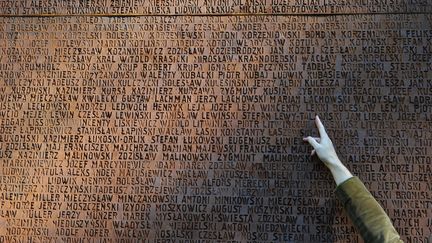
[
  {"x": 182, "y": 128},
  {"x": 212, "y": 7}
]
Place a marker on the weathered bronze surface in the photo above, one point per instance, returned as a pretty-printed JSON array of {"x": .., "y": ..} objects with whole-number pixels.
[
  {"x": 211, "y": 7},
  {"x": 189, "y": 127}
]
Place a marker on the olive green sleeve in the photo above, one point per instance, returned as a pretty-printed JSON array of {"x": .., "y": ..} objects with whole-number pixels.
[{"x": 365, "y": 212}]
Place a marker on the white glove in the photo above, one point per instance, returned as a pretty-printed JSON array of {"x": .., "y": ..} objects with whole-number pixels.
[{"x": 324, "y": 148}]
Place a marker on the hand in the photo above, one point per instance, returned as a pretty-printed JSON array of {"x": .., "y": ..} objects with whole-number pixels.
[{"x": 324, "y": 148}]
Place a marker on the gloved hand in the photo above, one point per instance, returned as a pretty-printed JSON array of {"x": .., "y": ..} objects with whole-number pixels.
[{"x": 324, "y": 148}]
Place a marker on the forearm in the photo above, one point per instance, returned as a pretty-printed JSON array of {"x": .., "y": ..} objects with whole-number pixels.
[
  {"x": 340, "y": 172},
  {"x": 371, "y": 220},
  {"x": 366, "y": 213}
]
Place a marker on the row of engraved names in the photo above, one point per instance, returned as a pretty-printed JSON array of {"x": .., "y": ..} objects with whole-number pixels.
[
  {"x": 206, "y": 222},
  {"x": 213, "y": 7},
  {"x": 267, "y": 50},
  {"x": 181, "y": 120},
  {"x": 133, "y": 147},
  {"x": 353, "y": 25},
  {"x": 390, "y": 21},
  {"x": 288, "y": 204},
  {"x": 129, "y": 55},
  {"x": 270, "y": 186},
  {"x": 244, "y": 116},
  {"x": 62, "y": 180},
  {"x": 142, "y": 90},
  {"x": 97, "y": 37},
  {"x": 218, "y": 115},
  {"x": 213, "y": 68},
  {"x": 155, "y": 233}
]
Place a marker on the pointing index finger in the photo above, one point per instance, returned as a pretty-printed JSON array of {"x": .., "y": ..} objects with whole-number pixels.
[{"x": 320, "y": 127}]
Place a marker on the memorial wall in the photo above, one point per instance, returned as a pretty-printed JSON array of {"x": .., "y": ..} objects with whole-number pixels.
[{"x": 182, "y": 121}]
